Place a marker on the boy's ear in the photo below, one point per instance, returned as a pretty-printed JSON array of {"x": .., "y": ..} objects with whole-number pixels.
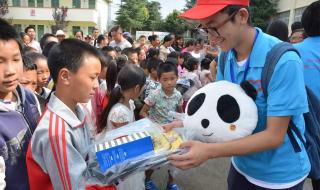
[{"x": 64, "y": 76}]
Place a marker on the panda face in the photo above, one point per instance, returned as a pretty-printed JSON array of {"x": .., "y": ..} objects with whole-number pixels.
[{"x": 219, "y": 112}]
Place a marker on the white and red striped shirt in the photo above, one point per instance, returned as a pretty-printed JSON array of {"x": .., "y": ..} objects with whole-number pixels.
[{"x": 58, "y": 151}]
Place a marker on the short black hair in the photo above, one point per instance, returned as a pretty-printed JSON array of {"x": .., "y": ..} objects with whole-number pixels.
[
  {"x": 128, "y": 51},
  {"x": 174, "y": 54},
  {"x": 100, "y": 38},
  {"x": 311, "y": 19},
  {"x": 47, "y": 48},
  {"x": 28, "y": 64},
  {"x": 77, "y": 32},
  {"x": 153, "y": 63},
  {"x": 168, "y": 38},
  {"x": 62, "y": 56},
  {"x": 190, "y": 43},
  {"x": 205, "y": 63},
  {"x": 106, "y": 49},
  {"x": 190, "y": 63},
  {"x": 278, "y": 29},
  {"x": 43, "y": 41},
  {"x": 28, "y": 28},
  {"x": 296, "y": 25},
  {"x": 231, "y": 9},
  {"x": 153, "y": 37},
  {"x": 166, "y": 67},
  {"x": 7, "y": 32},
  {"x": 153, "y": 52},
  {"x": 35, "y": 56},
  {"x": 116, "y": 28}
]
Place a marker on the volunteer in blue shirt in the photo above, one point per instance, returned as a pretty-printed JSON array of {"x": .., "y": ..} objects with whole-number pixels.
[
  {"x": 310, "y": 54},
  {"x": 266, "y": 159}
]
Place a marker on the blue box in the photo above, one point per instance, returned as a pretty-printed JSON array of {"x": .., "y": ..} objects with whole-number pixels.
[{"x": 123, "y": 148}]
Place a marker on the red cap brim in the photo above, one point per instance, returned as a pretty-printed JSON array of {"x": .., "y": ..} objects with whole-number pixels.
[{"x": 201, "y": 11}]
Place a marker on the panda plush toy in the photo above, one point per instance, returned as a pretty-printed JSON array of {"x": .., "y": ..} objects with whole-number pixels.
[{"x": 221, "y": 111}]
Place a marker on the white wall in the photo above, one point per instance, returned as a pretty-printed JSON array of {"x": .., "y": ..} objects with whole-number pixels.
[{"x": 102, "y": 9}]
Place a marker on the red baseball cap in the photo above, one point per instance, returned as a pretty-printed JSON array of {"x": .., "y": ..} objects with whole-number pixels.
[{"x": 206, "y": 8}]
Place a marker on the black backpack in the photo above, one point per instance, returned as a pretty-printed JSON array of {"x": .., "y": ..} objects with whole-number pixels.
[{"x": 312, "y": 118}]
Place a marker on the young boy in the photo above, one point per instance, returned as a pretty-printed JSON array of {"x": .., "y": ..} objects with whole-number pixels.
[
  {"x": 58, "y": 153},
  {"x": 159, "y": 103},
  {"x": 43, "y": 73},
  {"x": 266, "y": 159},
  {"x": 18, "y": 110},
  {"x": 29, "y": 75}
]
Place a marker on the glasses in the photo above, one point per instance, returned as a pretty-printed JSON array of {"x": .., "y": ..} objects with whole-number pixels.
[{"x": 213, "y": 31}]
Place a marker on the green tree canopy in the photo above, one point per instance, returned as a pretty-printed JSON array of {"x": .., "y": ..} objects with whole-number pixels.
[
  {"x": 174, "y": 24},
  {"x": 132, "y": 14},
  {"x": 190, "y": 3},
  {"x": 262, "y": 11},
  {"x": 154, "y": 21}
]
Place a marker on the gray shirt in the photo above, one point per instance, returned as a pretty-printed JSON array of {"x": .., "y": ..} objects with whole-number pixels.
[{"x": 122, "y": 45}]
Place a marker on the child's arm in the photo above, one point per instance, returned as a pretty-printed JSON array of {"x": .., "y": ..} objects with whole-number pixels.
[
  {"x": 172, "y": 125},
  {"x": 144, "y": 111},
  {"x": 54, "y": 150}
]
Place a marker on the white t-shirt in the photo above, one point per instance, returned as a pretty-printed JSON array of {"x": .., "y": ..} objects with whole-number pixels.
[
  {"x": 120, "y": 113},
  {"x": 36, "y": 45}
]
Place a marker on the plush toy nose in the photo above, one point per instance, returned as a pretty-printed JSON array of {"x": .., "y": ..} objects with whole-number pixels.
[{"x": 205, "y": 123}]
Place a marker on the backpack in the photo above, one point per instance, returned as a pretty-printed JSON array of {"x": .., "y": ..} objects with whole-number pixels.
[
  {"x": 312, "y": 118},
  {"x": 184, "y": 84}
]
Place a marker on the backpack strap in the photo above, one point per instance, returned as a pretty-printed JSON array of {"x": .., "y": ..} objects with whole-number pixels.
[
  {"x": 223, "y": 58},
  {"x": 272, "y": 59}
]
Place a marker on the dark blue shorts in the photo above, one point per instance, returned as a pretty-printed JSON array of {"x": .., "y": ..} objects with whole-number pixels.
[{"x": 236, "y": 181}]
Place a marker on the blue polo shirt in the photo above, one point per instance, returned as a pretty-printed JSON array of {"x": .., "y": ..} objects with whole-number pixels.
[
  {"x": 286, "y": 97},
  {"x": 310, "y": 55}
]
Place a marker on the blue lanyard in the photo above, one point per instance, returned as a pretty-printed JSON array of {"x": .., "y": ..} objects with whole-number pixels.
[{"x": 247, "y": 64}]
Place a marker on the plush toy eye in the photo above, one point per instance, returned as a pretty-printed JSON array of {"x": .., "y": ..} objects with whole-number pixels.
[
  {"x": 195, "y": 104},
  {"x": 228, "y": 109}
]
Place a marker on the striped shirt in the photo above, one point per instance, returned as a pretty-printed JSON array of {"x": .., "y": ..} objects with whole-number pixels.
[{"x": 58, "y": 151}]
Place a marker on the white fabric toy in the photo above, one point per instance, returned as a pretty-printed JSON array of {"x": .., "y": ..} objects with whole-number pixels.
[{"x": 222, "y": 111}]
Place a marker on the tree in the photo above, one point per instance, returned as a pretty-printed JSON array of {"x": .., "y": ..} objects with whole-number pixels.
[
  {"x": 3, "y": 8},
  {"x": 190, "y": 3},
  {"x": 262, "y": 11},
  {"x": 59, "y": 16},
  {"x": 174, "y": 24},
  {"x": 132, "y": 14},
  {"x": 154, "y": 21}
]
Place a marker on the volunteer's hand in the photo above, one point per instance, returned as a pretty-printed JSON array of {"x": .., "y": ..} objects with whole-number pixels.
[
  {"x": 174, "y": 124},
  {"x": 197, "y": 154}
]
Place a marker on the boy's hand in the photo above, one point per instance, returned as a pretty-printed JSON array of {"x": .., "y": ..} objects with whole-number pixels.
[{"x": 172, "y": 125}]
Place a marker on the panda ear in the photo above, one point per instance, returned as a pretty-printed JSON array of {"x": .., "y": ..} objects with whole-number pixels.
[{"x": 249, "y": 89}]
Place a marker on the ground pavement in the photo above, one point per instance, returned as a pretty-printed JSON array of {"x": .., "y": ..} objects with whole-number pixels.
[{"x": 210, "y": 176}]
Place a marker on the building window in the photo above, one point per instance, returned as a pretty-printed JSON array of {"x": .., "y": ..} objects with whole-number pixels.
[
  {"x": 40, "y": 31},
  {"x": 284, "y": 16},
  {"x": 76, "y": 3},
  {"x": 92, "y": 4},
  {"x": 39, "y": 3},
  {"x": 17, "y": 27},
  {"x": 75, "y": 29},
  {"x": 31, "y": 3},
  {"x": 298, "y": 13},
  {"x": 16, "y": 3},
  {"x": 54, "y": 3},
  {"x": 90, "y": 28}
]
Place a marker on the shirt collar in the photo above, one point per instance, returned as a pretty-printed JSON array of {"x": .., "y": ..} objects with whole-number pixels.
[
  {"x": 257, "y": 53},
  {"x": 163, "y": 94},
  {"x": 59, "y": 108}
]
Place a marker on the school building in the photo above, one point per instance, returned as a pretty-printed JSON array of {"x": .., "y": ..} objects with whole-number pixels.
[
  {"x": 81, "y": 14},
  {"x": 290, "y": 11}
]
